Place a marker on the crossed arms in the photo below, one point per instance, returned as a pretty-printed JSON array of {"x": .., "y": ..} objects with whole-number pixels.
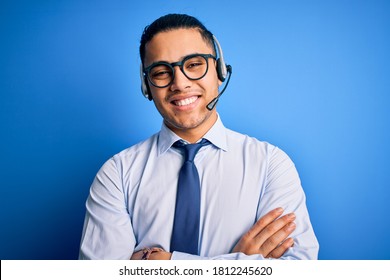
[{"x": 268, "y": 237}]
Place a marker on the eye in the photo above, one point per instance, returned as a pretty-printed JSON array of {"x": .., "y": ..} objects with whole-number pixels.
[
  {"x": 195, "y": 63},
  {"x": 160, "y": 72}
]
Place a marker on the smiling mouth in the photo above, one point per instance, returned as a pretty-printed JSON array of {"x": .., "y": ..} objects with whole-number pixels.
[{"x": 184, "y": 102}]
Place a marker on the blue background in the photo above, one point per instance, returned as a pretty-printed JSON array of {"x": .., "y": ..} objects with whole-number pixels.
[{"x": 311, "y": 77}]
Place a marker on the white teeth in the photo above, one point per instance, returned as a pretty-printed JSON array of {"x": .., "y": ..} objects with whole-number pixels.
[{"x": 186, "y": 101}]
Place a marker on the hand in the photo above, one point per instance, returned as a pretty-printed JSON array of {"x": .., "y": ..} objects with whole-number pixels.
[
  {"x": 160, "y": 256},
  {"x": 137, "y": 255},
  {"x": 268, "y": 236},
  {"x": 151, "y": 254}
]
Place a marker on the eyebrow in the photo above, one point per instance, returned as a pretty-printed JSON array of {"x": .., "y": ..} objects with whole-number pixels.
[{"x": 164, "y": 61}]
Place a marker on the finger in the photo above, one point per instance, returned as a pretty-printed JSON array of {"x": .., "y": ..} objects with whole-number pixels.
[
  {"x": 274, "y": 227},
  {"x": 275, "y": 241},
  {"x": 264, "y": 221},
  {"x": 279, "y": 251}
]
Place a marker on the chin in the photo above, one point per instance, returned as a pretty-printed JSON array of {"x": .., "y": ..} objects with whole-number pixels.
[{"x": 191, "y": 122}]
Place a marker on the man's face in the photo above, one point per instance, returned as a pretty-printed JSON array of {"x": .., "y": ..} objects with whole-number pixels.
[{"x": 183, "y": 103}]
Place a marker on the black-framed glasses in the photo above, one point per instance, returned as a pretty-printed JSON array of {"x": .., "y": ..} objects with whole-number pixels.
[{"x": 194, "y": 67}]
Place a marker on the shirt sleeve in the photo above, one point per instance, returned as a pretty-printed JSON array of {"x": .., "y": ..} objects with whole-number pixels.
[
  {"x": 282, "y": 189},
  {"x": 107, "y": 231}
]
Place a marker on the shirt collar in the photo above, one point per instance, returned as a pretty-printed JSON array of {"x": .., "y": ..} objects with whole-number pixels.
[{"x": 216, "y": 135}]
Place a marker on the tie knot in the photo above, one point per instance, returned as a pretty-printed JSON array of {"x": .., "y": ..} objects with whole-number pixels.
[{"x": 190, "y": 150}]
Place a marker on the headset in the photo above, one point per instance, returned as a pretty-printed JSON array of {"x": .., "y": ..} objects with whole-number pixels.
[{"x": 222, "y": 71}]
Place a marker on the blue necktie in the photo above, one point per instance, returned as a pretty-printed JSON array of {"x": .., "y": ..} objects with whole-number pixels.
[{"x": 185, "y": 232}]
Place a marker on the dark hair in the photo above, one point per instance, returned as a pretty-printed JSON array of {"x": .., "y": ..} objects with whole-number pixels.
[{"x": 172, "y": 22}]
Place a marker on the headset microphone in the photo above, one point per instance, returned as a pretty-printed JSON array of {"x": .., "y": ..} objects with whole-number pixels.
[{"x": 214, "y": 102}]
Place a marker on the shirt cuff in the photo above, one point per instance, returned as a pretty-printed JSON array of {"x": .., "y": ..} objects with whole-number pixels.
[{"x": 184, "y": 256}]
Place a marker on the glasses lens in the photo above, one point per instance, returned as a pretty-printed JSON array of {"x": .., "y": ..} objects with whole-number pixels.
[
  {"x": 195, "y": 67},
  {"x": 160, "y": 75}
]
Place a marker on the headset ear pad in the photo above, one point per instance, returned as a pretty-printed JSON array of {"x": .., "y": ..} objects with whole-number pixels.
[
  {"x": 144, "y": 84},
  {"x": 146, "y": 87},
  {"x": 221, "y": 69}
]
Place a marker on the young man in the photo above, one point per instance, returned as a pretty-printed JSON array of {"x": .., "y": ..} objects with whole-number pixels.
[{"x": 245, "y": 200}]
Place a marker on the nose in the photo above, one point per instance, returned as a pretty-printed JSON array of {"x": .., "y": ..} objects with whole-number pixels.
[{"x": 180, "y": 81}]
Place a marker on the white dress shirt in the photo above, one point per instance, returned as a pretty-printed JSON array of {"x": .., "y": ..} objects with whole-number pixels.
[{"x": 132, "y": 199}]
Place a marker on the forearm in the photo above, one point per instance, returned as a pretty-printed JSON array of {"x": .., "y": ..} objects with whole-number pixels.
[{"x": 231, "y": 256}]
